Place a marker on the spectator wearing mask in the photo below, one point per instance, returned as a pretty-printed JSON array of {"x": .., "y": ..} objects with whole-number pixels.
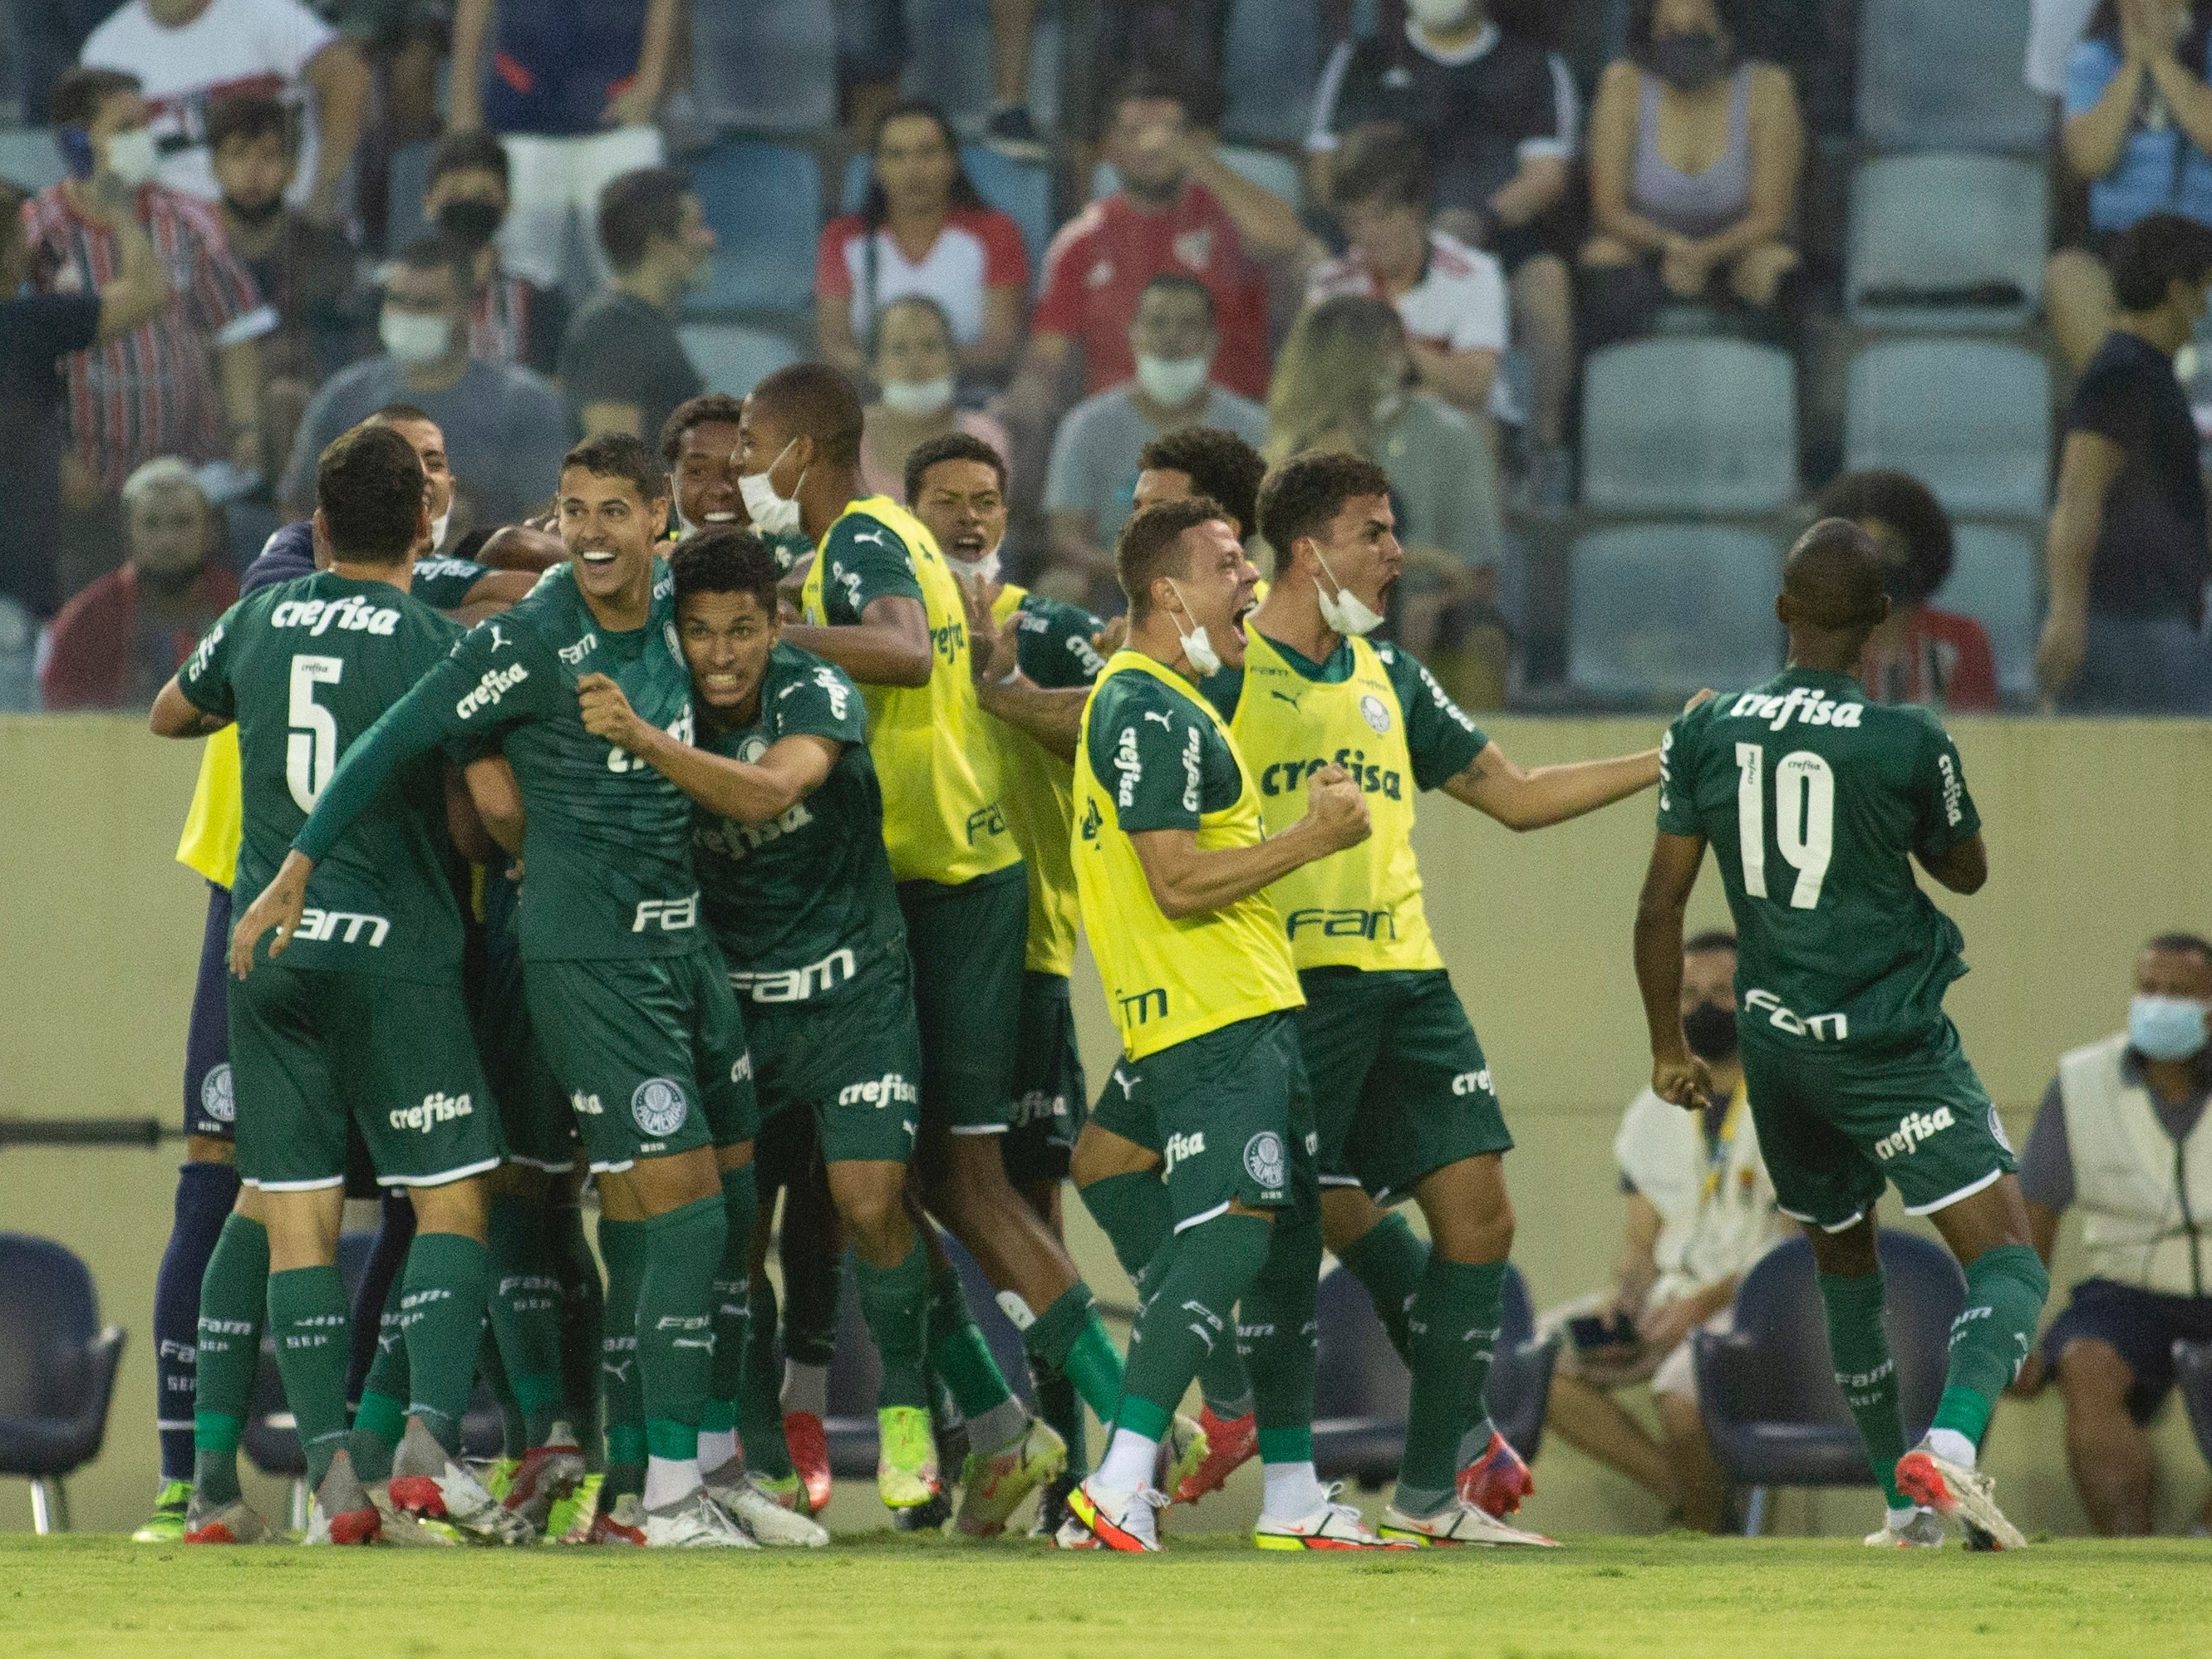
[
  {"x": 2138, "y": 133},
  {"x": 2123, "y": 1136},
  {"x": 1090, "y": 483},
  {"x": 572, "y": 89},
  {"x": 515, "y": 321},
  {"x": 1700, "y": 1211},
  {"x": 2126, "y": 555},
  {"x": 912, "y": 362},
  {"x": 622, "y": 367},
  {"x": 1921, "y": 654},
  {"x": 1694, "y": 157},
  {"x": 188, "y": 55},
  {"x": 118, "y": 642},
  {"x": 1451, "y": 297},
  {"x": 503, "y": 426},
  {"x": 1502, "y": 121},
  {"x": 922, "y": 230}
]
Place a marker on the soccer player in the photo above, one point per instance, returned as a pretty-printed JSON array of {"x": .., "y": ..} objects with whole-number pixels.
[
  {"x": 699, "y": 446},
  {"x": 1816, "y": 802},
  {"x": 1171, "y": 866},
  {"x": 1203, "y": 460},
  {"x": 627, "y": 992},
  {"x": 367, "y": 1024}
]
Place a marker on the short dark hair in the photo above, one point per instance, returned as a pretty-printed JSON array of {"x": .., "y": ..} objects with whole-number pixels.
[
  {"x": 1201, "y": 107},
  {"x": 369, "y": 486},
  {"x": 729, "y": 559},
  {"x": 1908, "y": 506},
  {"x": 1383, "y": 160},
  {"x": 1713, "y": 939},
  {"x": 1833, "y": 578},
  {"x": 474, "y": 150},
  {"x": 618, "y": 455},
  {"x": 1642, "y": 14},
  {"x": 1304, "y": 494},
  {"x": 1220, "y": 465},
  {"x": 706, "y": 407},
  {"x": 2183, "y": 944},
  {"x": 80, "y": 91},
  {"x": 814, "y": 399},
  {"x": 951, "y": 446},
  {"x": 391, "y": 413},
  {"x": 1146, "y": 550},
  {"x": 441, "y": 253},
  {"x": 249, "y": 116},
  {"x": 2154, "y": 252},
  {"x": 638, "y": 207},
  {"x": 1180, "y": 281}
]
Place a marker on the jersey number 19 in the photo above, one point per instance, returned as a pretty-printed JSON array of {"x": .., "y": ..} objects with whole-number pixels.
[
  {"x": 311, "y": 749},
  {"x": 1804, "y": 819}
]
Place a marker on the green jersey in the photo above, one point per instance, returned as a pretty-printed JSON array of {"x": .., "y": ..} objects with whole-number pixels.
[
  {"x": 444, "y": 583},
  {"x": 802, "y": 905},
  {"x": 305, "y": 667},
  {"x": 1814, "y": 800}
]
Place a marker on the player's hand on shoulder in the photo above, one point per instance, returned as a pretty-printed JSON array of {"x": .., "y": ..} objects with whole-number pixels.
[
  {"x": 606, "y": 711},
  {"x": 1681, "y": 1080},
  {"x": 1336, "y": 808}
]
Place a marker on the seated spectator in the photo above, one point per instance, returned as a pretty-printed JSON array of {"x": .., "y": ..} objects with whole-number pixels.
[
  {"x": 1921, "y": 654},
  {"x": 623, "y": 367},
  {"x": 922, "y": 230},
  {"x": 187, "y": 54},
  {"x": 2138, "y": 133},
  {"x": 1694, "y": 162},
  {"x": 2123, "y": 1135},
  {"x": 516, "y": 321},
  {"x": 572, "y": 88},
  {"x": 1451, "y": 296},
  {"x": 118, "y": 642},
  {"x": 911, "y": 363},
  {"x": 1088, "y": 487},
  {"x": 504, "y": 427},
  {"x": 1502, "y": 120},
  {"x": 2126, "y": 557}
]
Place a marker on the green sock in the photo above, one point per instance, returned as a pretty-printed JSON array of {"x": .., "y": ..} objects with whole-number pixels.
[
  {"x": 1133, "y": 1212},
  {"x": 1193, "y": 1308},
  {"x": 1859, "y": 1349},
  {"x": 624, "y": 1244},
  {"x": 443, "y": 1305},
  {"x": 1069, "y": 1340},
  {"x": 527, "y": 1306},
  {"x": 513, "y": 1426},
  {"x": 583, "y": 1315},
  {"x": 733, "y": 1290},
  {"x": 307, "y": 1315},
  {"x": 675, "y": 1323},
  {"x": 1390, "y": 1261},
  {"x": 1452, "y": 1330},
  {"x": 760, "y": 1405},
  {"x": 233, "y": 1292},
  {"x": 1278, "y": 1335},
  {"x": 895, "y": 1301},
  {"x": 377, "y": 1423},
  {"x": 1990, "y": 1338},
  {"x": 959, "y": 1353}
]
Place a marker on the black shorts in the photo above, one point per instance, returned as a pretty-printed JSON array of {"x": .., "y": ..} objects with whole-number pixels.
[
  {"x": 2141, "y": 1325},
  {"x": 210, "y": 1103}
]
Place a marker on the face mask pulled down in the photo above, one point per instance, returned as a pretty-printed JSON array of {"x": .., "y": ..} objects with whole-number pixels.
[
  {"x": 1205, "y": 661},
  {"x": 1345, "y": 612},
  {"x": 772, "y": 515}
]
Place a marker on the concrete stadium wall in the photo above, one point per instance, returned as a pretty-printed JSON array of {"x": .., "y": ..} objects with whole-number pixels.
[{"x": 2099, "y": 835}]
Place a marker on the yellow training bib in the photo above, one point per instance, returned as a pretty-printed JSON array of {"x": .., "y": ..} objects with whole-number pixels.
[
  {"x": 1039, "y": 797},
  {"x": 214, "y": 824}
]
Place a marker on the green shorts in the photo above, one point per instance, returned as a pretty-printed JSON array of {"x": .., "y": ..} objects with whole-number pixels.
[
  {"x": 651, "y": 1051},
  {"x": 853, "y": 1061},
  {"x": 968, "y": 943},
  {"x": 533, "y": 1108},
  {"x": 313, "y": 1053},
  {"x": 1400, "y": 1088},
  {"x": 1049, "y": 1091},
  {"x": 1834, "y": 1125},
  {"x": 1228, "y": 1113}
]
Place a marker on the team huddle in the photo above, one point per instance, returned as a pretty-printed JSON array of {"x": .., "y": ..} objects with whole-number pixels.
[{"x": 730, "y": 879}]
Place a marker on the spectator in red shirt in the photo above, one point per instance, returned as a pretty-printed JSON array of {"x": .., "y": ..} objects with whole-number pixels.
[
  {"x": 118, "y": 641},
  {"x": 1921, "y": 654}
]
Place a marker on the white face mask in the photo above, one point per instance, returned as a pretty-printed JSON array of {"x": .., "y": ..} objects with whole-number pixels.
[
  {"x": 1345, "y": 612},
  {"x": 1439, "y": 16},
  {"x": 132, "y": 158},
  {"x": 772, "y": 515},
  {"x": 1205, "y": 661},
  {"x": 412, "y": 339},
  {"x": 438, "y": 527},
  {"x": 918, "y": 397},
  {"x": 1171, "y": 382},
  {"x": 985, "y": 569}
]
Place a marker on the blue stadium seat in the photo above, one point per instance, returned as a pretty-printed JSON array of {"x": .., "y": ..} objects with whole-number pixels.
[
  {"x": 765, "y": 66},
  {"x": 1263, "y": 168},
  {"x": 1689, "y": 425},
  {"x": 57, "y": 1370},
  {"x": 28, "y": 159},
  {"x": 1947, "y": 242},
  {"x": 1657, "y": 610},
  {"x": 765, "y": 202},
  {"x": 1767, "y": 1390},
  {"x": 1993, "y": 580},
  {"x": 732, "y": 358},
  {"x": 409, "y": 183},
  {"x": 19, "y": 641},
  {"x": 1946, "y": 74},
  {"x": 1970, "y": 418},
  {"x": 949, "y": 58},
  {"x": 1270, "y": 61},
  {"x": 1020, "y": 189},
  {"x": 2192, "y": 1371}
]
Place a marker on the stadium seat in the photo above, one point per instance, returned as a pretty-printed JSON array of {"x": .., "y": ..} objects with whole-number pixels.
[
  {"x": 409, "y": 183},
  {"x": 764, "y": 203},
  {"x": 1689, "y": 425},
  {"x": 57, "y": 1370},
  {"x": 1947, "y": 242},
  {"x": 1946, "y": 74},
  {"x": 28, "y": 159},
  {"x": 19, "y": 652},
  {"x": 1993, "y": 580},
  {"x": 1655, "y": 611},
  {"x": 2192, "y": 1371},
  {"x": 1970, "y": 418},
  {"x": 1767, "y": 1390},
  {"x": 765, "y": 66},
  {"x": 1270, "y": 61},
  {"x": 1263, "y": 168},
  {"x": 732, "y": 358},
  {"x": 1020, "y": 189}
]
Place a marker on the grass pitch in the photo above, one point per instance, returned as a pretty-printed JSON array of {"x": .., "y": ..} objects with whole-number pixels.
[{"x": 877, "y": 1594}]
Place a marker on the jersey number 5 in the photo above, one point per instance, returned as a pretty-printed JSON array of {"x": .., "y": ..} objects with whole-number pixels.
[
  {"x": 311, "y": 749},
  {"x": 1804, "y": 819}
]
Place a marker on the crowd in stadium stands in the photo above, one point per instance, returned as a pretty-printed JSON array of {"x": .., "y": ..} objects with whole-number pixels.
[{"x": 1574, "y": 272}]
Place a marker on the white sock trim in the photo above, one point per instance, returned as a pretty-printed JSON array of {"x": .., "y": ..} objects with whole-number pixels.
[
  {"x": 1293, "y": 1491},
  {"x": 1128, "y": 1461},
  {"x": 669, "y": 1480},
  {"x": 717, "y": 1447},
  {"x": 1951, "y": 1446}
]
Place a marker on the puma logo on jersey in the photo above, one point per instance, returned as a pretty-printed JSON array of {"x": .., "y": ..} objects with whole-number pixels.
[
  {"x": 1128, "y": 1081},
  {"x": 873, "y": 535},
  {"x": 1911, "y": 1130},
  {"x": 1181, "y": 1146},
  {"x": 1166, "y": 719},
  {"x": 498, "y": 639},
  {"x": 1286, "y": 697},
  {"x": 352, "y": 614},
  {"x": 1803, "y": 704},
  {"x": 495, "y": 683}
]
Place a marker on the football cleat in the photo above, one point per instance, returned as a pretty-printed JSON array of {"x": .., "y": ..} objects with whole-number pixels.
[
  {"x": 695, "y": 1521},
  {"x": 1124, "y": 1521},
  {"x": 992, "y": 1488},
  {"x": 343, "y": 1512},
  {"x": 223, "y": 1523},
  {"x": 1203, "y": 1465},
  {"x": 748, "y": 1501},
  {"x": 569, "y": 1520},
  {"x": 906, "y": 1464},
  {"x": 543, "y": 1476},
  {"x": 166, "y": 1523},
  {"x": 622, "y": 1523},
  {"x": 1180, "y": 1455},
  {"x": 1957, "y": 1493},
  {"x": 1497, "y": 1481},
  {"x": 787, "y": 1490},
  {"x": 1459, "y": 1522},
  {"x": 809, "y": 1446},
  {"x": 428, "y": 1486},
  {"x": 1923, "y": 1531},
  {"x": 1334, "y": 1526}
]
